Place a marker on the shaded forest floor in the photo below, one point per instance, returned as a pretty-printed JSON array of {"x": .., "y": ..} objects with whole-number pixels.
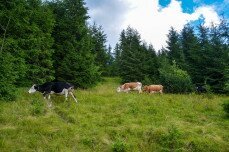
[{"x": 104, "y": 120}]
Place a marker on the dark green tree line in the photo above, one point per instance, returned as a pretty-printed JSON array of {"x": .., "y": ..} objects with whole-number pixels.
[
  {"x": 26, "y": 41},
  {"x": 200, "y": 55},
  {"x": 204, "y": 55},
  {"x": 44, "y": 41}
]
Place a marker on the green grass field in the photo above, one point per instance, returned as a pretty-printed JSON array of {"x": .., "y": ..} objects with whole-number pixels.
[{"x": 104, "y": 120}]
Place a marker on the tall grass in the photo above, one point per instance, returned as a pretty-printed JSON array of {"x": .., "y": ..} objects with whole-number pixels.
[{"x": 104, "y": 120}]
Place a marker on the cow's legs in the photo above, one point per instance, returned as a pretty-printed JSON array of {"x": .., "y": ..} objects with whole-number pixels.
[
  {"x": 49, "y": 101},
  {"x": 47, "y": 97},
  {"x": 126, "y": 90},
  {"x": 66, "y": 94},
  {"x": 73, "y": 96}
]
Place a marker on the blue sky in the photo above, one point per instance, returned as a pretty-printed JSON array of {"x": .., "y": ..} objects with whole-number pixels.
[
  {"x": 153, "y": 18},
  {"x": 190, "y": 5}
]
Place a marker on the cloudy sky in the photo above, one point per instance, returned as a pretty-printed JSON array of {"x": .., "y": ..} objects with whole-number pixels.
[{"x": 153, "y": 18}]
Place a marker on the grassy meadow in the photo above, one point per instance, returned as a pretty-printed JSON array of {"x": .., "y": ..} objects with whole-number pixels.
[{"x": 104, "y": 120}]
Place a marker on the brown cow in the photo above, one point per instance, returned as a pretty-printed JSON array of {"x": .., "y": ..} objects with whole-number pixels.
[
  {"x": 126, "y": 87},
  {"x": 153, "y": 88}
]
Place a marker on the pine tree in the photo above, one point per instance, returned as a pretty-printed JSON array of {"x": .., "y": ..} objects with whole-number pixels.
[
  {"x": 25, "y": 42},
  {"x": 214, "y": 54},
  {"x": 8, "y": 76},
  {"x": 74, "y": 61},
  {"x": 149, "y": 64},
  {"x": 117, "y": 60},
  {"x": 224, "y": 34},
  {"x": 204, "y": 43},
  {"x": 217, "y": 67},
  {"x": 29, "y": 39},
  {"x": 38, "y": 41},
  {"x": 191, "y": 48},
  {"x": 110, "y": 62},
  {"x": 174, "y": 48},
  {"x": 137, "y": 60},
  {"x": 130, "y": 61},
  {"x": 10, "y": 33},
  {"x": 99, "y": 48}
]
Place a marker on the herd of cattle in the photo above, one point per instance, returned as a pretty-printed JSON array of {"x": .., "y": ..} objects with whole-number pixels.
[
  {"x": 64, "y": 88},
  {"x": 126, "y": 87}
]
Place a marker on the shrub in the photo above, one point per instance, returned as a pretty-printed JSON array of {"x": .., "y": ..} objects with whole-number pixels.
[
  {"x": 8, "y": 77},
  {"x": 175, "y": 80},
  {"x": 226, "y": 87},
  {"x": 226, "y": 107}
]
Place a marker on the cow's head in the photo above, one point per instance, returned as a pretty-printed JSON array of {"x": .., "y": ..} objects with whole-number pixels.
[
  {"x": 33, "y": 89},
  {"x": 145, "y": 88},
  {"x": 119, "y": 89}
]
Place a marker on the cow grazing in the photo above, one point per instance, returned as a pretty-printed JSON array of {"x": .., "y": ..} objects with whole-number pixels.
[
  {"x": 61, "y": 88},
  {"x": 126, "y": 87},
  {"x": 201, "y": 89},
  {"x": 153, "y": 88}
]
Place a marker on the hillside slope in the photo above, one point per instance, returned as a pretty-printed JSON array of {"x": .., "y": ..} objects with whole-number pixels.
[{"x": 104, "y": 120}]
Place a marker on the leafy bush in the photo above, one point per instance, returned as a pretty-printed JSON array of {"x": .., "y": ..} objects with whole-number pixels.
[
  {"x": 8, "y": 77},
  {"x": 226, "y": 88},
  {"x": 226, "y": 107},
  {"x": 175, "y": 80}
]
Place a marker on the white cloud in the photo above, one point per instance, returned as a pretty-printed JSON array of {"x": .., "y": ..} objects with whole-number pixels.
[
  {"x": 154, "y": 22},
  {"x": 147, "y": 16},
  {"x": 209, "y": 15},
  {"x": 110, "y": 14}
]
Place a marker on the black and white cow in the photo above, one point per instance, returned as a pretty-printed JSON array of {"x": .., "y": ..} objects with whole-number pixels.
[
  {"x": 61, "y": 88},
  {"x": 201, "y": 89}
]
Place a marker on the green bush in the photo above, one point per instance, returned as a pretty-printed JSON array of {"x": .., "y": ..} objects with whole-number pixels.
[
  {"x": 8, "y": 77},
  {"x": 226, "y": 87},
  {"x": 226, "y": 107},
  {"x": 175, "y": 80}
]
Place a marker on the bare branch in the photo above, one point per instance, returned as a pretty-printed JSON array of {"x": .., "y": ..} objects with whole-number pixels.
[
  {"x": 2, "y": 27},
  {"x": 4, "y": 35}
]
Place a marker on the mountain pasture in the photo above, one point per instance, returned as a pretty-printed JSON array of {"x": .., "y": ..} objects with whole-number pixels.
[{"x": 104, "y": 120}]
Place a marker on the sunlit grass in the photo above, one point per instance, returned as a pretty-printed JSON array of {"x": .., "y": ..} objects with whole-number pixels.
[{"x": 104, "y": 120}]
